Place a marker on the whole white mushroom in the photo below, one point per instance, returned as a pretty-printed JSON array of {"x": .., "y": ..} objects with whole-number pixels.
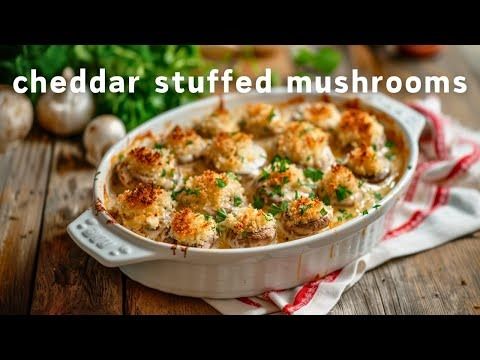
[
  {"x": 101, "y": 133},
  {"x": 66, "y": 113},
  {"x": 16, "y": 117}
]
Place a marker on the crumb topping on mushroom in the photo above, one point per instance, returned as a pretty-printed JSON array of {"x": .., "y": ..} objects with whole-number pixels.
[
  {"x": 186, "y": 144},
  {"x": 191, "y": 228}
]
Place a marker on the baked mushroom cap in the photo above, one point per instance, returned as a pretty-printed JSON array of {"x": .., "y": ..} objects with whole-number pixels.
[
  {"x": 262, "y": 120},
  {"x": 185, "y": 144},
  {"x": 305, "y": 216},
  {"x": 143, "y": 164},
  {"x": 146, "y": 209},
  {"x": 369, "y": 164},
  {"x": 358, "y": 127},
  {"x": 219, "y": 121},
  {"x": 191, "y": 228},
  {"x": 249, "y": 227},
  {"x": 324, "y": 115},
  {"x": 237, "y": 153},
  {"x": 283, "y": 181},
  {"x": 306, "y": 145},
  {"x": 210, "y": 192},
  {"x": 339, "y": 186}
]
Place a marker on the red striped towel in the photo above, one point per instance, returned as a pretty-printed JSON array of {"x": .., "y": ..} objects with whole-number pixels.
[{"x": 442, "y": 204}]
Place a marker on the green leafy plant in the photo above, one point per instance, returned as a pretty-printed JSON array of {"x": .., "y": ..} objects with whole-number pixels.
[
  {"x": 146, "y": 61},
  {"x": 324, "y": 60}
]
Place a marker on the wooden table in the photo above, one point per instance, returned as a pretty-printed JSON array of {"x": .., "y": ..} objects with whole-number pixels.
[{"x": 45, "y": 183}]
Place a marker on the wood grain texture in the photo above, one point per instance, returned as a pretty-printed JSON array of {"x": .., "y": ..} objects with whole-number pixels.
[
  {"x": 23, "y": 183},
  {"x": 68, "y": 281},
  {"x": 141, "y": 300}
]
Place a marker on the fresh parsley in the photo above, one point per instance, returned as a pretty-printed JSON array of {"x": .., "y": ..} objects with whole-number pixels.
[
  {"x": 323, "y": 212},
  {"x": 312, "y": 173},
  {"x": 365, "y": 212},
  {"x": 271, "y": 115},
  {"x": 237, "y": 201},
  {"x": 378, "y": 196},
  {"x": 220, "y": 183},
  {"x": 342, "y": 193},
  {"x": 220, "y": 215},
  {"x": 390, "y": 144},
  {"x": 326, "y": 200},
  {"x": 258, "y": 202},
  {"x": 304, "y": 208},
  {"x": 192, "y": 191},
  {"x": 264, "y": 175},
  {"x": 278, "y": 209}
]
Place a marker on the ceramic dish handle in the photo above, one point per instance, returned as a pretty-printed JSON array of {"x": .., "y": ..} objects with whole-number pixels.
[
  {"x": 413, "y": 121},
  {"x": 103, "y": 244}
]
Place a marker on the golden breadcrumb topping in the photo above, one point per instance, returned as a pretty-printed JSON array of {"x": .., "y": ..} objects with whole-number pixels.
[
  {"x": 211, "y": 191},
  {"x": 359, "y": 127},
  {"x": 217, "y": 122},
  {"x": 262, "y": 119},
  {"x": 193, "y": 229},
  {"x": 304, "y": 209},
  {"x": 248, "y": 220},
  {"x": 186, "y": 144},
  {"x": 365, "y": 161},
  {"x": 338, "y": 184},
  {"x": 305, "y": 144},
  {"x": 321, "y": 114}
]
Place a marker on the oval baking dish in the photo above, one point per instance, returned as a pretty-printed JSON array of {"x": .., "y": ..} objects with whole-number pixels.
[{"x": 229, "y": 273}]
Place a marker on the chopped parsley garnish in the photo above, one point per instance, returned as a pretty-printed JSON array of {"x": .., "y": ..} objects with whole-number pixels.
[
  {"x": 374, "y": 147},
  {"x": 348, "y": 216},
  {"x": 343, "y": 211},
  {"x": 296, "y": 195},
  {"x": 121, "y": 157},
  {"x": 311, "y": 195},
  {"x": 176, "y": 193},
  {"x": 342, "y": 193},
  {"x": 189, "y": 142},
  {"x": 207, "y": 217},
  {"x": 258, "y": 202},
  {"x": 326, "y": 200},
  {"x": 267, "y": 216},
  {"x": 193, "y": 191},
  {"x": 390, "y": 155},
  {"x": 280, "y": 164},
  {"x": 323, "y": 212},
  {"x": 264, "y": 175},
  {"x": 278, "y": 209},
  {"x": 237, "y": 201},
  {"x": 360, "y": 183},
  {"x": 277, "y": 190},
  {"x": 376, "y": 206},
  {"x": 171, "y": 173},
  {"x": 271, "y": 115},
  {"x": 365, "y": 212},
  {"x": 389, "y": 144},
  {"x": 159, "y": 146},
  {"x": 312, "y": 173},
  {"x": 378, "y": 196},
  {"x": 220, "y": 182},
  {"x": 164, "y": 172},
  {"x": 304, "y": 208},
  {"x": 220, "y": 215},
  {"x": 409, "y": 167}
]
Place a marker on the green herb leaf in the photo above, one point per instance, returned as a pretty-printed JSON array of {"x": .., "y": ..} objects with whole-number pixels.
[
  {"x": 312, "y": 173},
  {"x": 264, "y": 175},
  {"x": 164, "y": 172},
  {"x": 278, "y": 209},
  {"x": 378, "y": 196},
  {"x": 159, "y": 146},
  {"x": 365, "y": 212},
  {"x": 304, "y": 208},
  {"x": 374, "y": 147},
  {"x": 237, "y": 201},
  {"x": 376, "y": 206},
  {"x": 220, "y": 183},
  {"x": 271, "y": 115},
  {"x": 296, "y": 195},
  {"x": 342, "y": 193},
  {"x": 277, "y": 190},
  {"x": 176, "y": 193},
  {"x": 326, "y": 200},
  {"x": 323, "y": 212},
  {"x": 193, "y": 191},
  {"x": 220, "y": 215},
  {"x": 389, "y": 144},
  {"x": 311, "y": 195},
  {"x": 258, "y": 202},
  {"x": 323, "y": 60},
  {"x": 390, "y": 155}
]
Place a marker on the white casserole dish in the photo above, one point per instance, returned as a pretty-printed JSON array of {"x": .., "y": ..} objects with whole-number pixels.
[{"x": 230, "y": 273}]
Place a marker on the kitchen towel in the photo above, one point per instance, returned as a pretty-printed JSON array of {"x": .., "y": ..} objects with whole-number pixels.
[{"x": 441, "y": 204}]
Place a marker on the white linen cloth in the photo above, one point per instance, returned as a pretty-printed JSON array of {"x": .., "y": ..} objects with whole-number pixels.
[{"x": 442, "y": 204}]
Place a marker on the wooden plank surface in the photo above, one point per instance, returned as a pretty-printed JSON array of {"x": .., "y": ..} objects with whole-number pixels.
[
  {"x": 23, "y": 183},
  {"x": 68, "y": 281},
  {"x": 444, "y": 280}
]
